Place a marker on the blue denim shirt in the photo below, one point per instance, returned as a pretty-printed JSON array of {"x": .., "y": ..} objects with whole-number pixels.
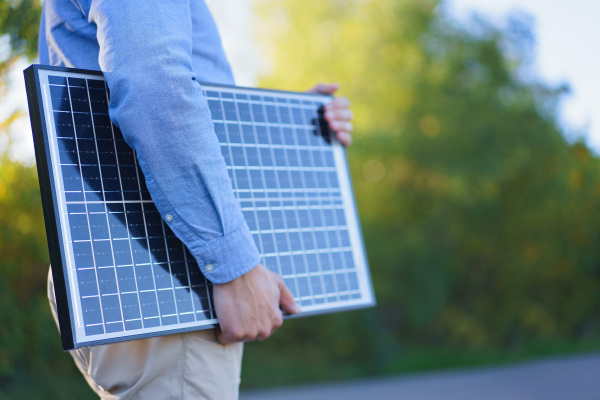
[{"x": 153, "y": 53}]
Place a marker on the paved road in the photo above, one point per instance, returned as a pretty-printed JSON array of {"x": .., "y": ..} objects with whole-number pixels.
[{"x": 566, "y": 378}]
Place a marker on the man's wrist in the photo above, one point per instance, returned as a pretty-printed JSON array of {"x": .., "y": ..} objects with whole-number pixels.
[{"x": 228, "y": 257}]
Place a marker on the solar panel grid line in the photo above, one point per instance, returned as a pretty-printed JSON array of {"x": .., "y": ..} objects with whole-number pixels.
[
  {"x": 126, "y": 274},
  {"x": 279, "y": 253},
  {"x": 64, "y": 217},
  {"x": 136, "y": 292},
  {"x": 86, "y": 212},
  {"x": 295, "y": 207},
  {"x": 261, "y": 163},
  {"x": 336, "y": 223},
  {"x": 313, "y": 231},
  {"x": 254, "y": 209},
  {"x": 107, "y": 221},
  {"x": 329, "y": 254},
  {"x": 89, "y": 224}
]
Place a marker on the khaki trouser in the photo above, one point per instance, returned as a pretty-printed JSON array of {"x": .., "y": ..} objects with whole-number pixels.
[{"x": 187, "y": 366}]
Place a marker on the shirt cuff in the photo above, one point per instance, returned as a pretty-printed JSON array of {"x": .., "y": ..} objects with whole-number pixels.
[{"x": 228, "y": 257}]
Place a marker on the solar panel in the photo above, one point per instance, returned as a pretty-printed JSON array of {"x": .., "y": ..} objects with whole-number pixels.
[{"x": 119, "y": 271}]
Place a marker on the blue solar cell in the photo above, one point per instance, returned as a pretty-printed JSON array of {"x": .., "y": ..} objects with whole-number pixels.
[
  {"x": 220, "y": 131},
  {"x": 153, "y": 223},
  {"x": 180, "y": 274},
  {"x": 284, "y": 115},
  {"x": 175, "y": 249},
  {"x": 303, "y": 287},
  {"x": 71, "y": 178},
  {"x": 96, "y": 84},
  {"x": 78, "y": 224},
  {"x": 299, "y": 264},
  {"x": 316, "y": 285},
  {"x": 282, "y": 242},
  {"x": 92, "y": 311},
  {"x": 88, "y": 284},
  {"x": 166, "y": 301},
  {"x": 60, "y": 98},
  {"x": 308, "y": 240},
  {"x": 244, "y": 112},
  {"x": 76, "y": 82},
  {"x": 324, "y": 260},
  {"x": 337, "y": 260},
  {"x": 285, "y": 262},
  {"x": 126, "y": 279},
  {"x": 98, "y": 101},
  {"x": 149, "y": 307},
  {"x": 107, "y": 281},
  {"x": 258, "y": 113},
  {"x": 329, "y": 283},
  {"x": 57, "y": 80},
  {"x": 233, "y": 133},
  {"x": 79, "y": 100},
  {"x": 122, "y": 252},
  {"x": 295, "y": 240},
  {"x": 162, "y": 277},
  {"x": 230, "y": 111},
  {"x": 298, "y": 115},
  {"x": 83, "y": 125},
  {"x": 158, "y": 249},
  {"x": 248, "y": 135},
  {"x": 291, "y": 285},
  {"x": 131, "y": 306},
  {"x": 144, "y": 277},
  {"x": 63, "y": 123},
  {"x": 195, "y": 276},
  {"x": 268, "y": 243},
  {"x": 252, "y": 159},
  {"x": 271, "y": 112},
  {"x": 202, "y": 308},
  {"x": 256, "y": 179},
  {"x": 139, "y": 251},
  {"x": 103, "y": 256}
]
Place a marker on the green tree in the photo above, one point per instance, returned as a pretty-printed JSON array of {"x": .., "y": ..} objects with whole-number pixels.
[
  {"x": 480, "y": 220},
  {"x": 32, "y": 365}
]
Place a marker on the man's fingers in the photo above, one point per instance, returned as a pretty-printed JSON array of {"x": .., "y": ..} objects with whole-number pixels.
[
  {"x": 341, "y": 126},
  {"x": 344, "y": 137},
  {"x": 248, "y": 307},
  {"x": 286, "y": 300},
  {"x": 343, "y": 114},
  {"x": 337, "y": 103},
  {"x": 223, "y": 338},
  {"x": 325, "y": 88}
]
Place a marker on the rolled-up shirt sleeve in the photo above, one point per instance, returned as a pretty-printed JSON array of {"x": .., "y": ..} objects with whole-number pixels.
[{"x": 145, "y": 54}]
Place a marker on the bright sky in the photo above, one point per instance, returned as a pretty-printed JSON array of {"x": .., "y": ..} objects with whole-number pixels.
[{"x": 566, "y": 34}]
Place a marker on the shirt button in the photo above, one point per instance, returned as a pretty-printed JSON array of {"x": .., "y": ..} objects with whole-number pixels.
[
  {"x": 209, "y": 268},
  {"x": 168, "y": 218}
]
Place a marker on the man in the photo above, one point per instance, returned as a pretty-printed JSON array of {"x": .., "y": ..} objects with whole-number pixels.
[{"x": 153, "y": 53}]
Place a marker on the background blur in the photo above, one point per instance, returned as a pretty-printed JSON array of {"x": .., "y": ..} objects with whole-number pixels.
[{"x": 479, "y": 206}]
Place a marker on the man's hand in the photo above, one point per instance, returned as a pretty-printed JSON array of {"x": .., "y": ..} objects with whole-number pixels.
[
  {"x": 337, "y": 113},
  {"x": 248, "y": 306}
]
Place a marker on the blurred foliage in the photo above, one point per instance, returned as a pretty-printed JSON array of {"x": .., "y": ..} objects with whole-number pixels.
[
  {"x": 32, "y": 363},
  {"x": 480, "y": 220}
]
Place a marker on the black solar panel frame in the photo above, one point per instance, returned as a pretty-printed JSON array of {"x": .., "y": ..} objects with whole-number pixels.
[{"x": 54, "y": 226}]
